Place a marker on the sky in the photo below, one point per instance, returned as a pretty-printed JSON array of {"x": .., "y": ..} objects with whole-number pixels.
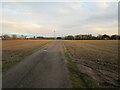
[{"x": 65, "y": 18}]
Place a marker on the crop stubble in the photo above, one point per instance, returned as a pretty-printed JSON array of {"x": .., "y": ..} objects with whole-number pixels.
[{"x": 13, "y": 48}]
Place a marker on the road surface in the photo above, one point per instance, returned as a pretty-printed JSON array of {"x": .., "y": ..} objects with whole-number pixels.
[{"x": 43, "y": 69}]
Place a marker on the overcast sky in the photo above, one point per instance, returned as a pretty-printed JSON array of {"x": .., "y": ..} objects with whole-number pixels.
[{"x": 66, "y": 18}]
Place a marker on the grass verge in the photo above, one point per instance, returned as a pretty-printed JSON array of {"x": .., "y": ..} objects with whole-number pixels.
[
  {"x": 9, "y": 63},
  {"x": 77, "y": 78}
]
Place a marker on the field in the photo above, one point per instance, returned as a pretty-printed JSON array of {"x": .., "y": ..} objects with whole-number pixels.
[
  {"x": 97, "y": 60},
  {"x": 17, "y": 49},
  {"x": 92, "y": 63}
]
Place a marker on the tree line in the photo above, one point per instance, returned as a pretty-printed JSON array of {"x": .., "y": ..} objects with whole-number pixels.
[
  {"x": 12, "y": 37},
  {"x": 91, "y": 37},
  {"x": 23, "y": 37},
  {"x": 69, "y": 37}
]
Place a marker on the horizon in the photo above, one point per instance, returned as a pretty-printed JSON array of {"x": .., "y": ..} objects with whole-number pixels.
[{"x": 32, "y": 36}]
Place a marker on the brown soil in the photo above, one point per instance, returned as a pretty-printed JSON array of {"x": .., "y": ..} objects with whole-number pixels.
[{"x": 96, "y": 59}]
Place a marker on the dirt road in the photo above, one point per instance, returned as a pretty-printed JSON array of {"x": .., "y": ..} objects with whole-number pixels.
[{"x": 43, "y": 69}]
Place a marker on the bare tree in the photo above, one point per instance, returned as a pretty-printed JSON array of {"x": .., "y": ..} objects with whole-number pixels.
[{"x": 5, "y": 37}]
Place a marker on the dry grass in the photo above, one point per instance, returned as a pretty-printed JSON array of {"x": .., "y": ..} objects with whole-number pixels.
[
  {"x": 13, "y": 48},
  {"x": 96, "y": 59}
]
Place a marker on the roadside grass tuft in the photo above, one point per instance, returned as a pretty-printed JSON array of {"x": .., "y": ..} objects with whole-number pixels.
[
  {"x": 9, "y": 63},
  {"x": 78, "y": 80}
]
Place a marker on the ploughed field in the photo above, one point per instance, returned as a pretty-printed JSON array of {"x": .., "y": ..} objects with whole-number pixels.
[
  {"x": 13, "y": 48},
  {"x": 97, "y": 59}
]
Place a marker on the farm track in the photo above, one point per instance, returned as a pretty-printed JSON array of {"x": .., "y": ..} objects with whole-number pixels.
[{"x": 43, "y": 69}]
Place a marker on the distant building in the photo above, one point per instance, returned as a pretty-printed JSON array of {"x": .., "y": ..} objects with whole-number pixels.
[{"x": 59, "y": 38}]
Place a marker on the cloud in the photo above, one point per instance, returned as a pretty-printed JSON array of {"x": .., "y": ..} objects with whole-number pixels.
[
  {"x": 66, "y": 18},
  {"x": 102, "y": 4},
  {"x": 14, "y": 27},
  {"x": 60, "y": 1}
]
